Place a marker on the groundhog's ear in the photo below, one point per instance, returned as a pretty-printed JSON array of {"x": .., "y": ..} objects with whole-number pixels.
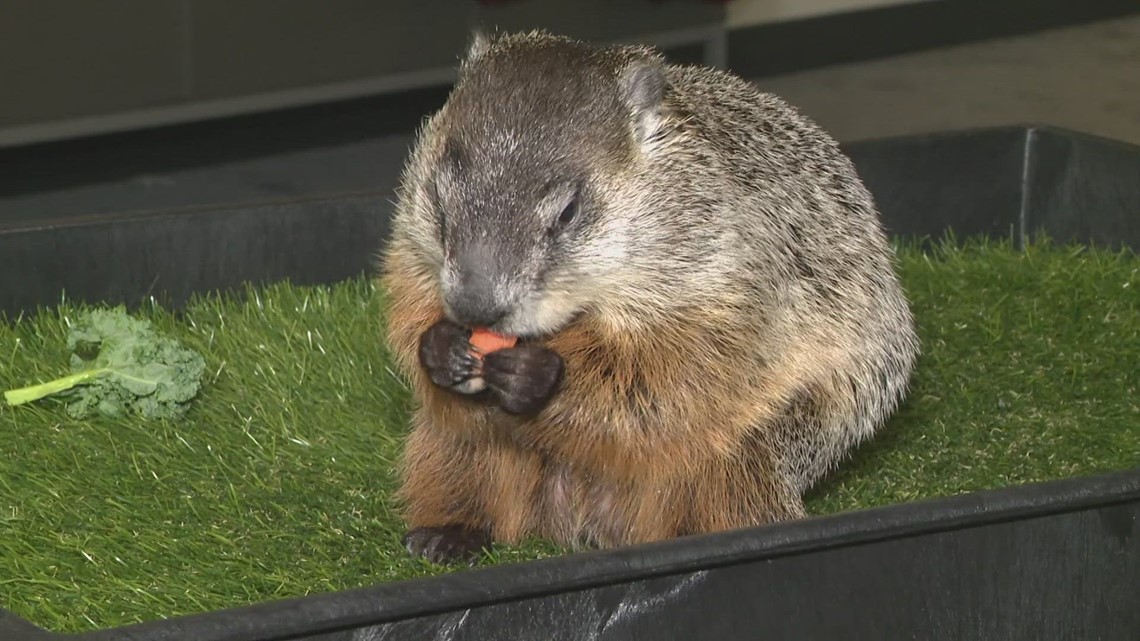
[
  {"x": 478, "y": 45},
  {"x": 642, "y": 86}
]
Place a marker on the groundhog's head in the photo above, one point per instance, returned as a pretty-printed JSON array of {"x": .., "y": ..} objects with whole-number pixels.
[{"x": 528, "y": 197}]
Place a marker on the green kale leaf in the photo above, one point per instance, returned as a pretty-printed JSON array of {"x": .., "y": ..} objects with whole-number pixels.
[{"x": 119, "y": 366}]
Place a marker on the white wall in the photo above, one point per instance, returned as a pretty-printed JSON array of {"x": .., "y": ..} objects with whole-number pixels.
[{"x": 750, "y": 12}]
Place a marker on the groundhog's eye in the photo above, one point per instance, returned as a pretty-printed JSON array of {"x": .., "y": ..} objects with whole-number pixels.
[{"x": 568, "y": 213}]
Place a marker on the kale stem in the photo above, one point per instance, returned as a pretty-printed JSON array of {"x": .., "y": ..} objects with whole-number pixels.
[{"x": 36, "y": 392}]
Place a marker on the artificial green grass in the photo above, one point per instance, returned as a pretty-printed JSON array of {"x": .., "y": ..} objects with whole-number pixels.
[{"x": 279, "y": 483}]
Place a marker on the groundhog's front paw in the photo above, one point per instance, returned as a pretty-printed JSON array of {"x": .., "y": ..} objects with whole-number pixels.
[
  {"x": 523, "y": 379},
  {"x": 446, "y": 356},
  {"x": 447, "y": 544}
]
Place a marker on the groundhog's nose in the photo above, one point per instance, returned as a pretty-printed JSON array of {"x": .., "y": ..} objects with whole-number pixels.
[
  {"x": 475, "y": 312},
  {"x": 474, "y": 286},
  {"x": 473, "y": 302}
]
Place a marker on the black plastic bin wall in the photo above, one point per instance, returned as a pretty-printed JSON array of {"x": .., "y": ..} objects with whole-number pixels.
[{"x": 1058, "y": 560}]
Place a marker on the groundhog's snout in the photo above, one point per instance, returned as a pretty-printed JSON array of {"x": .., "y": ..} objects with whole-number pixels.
[
  {"x": 473, "y": 303},
  {"x": 473, "y": 292}
]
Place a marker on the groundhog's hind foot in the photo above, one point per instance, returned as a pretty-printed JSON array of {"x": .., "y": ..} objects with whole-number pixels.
[{"x": 448, "y": 544}]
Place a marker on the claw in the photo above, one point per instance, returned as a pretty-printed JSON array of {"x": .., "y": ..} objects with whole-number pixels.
[{"x": 447, "y": 544}]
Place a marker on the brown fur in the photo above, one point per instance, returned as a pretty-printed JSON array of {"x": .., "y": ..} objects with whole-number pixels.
[
  {"x": 714, "y": 398},
  {"x": 637, "y": 459}
]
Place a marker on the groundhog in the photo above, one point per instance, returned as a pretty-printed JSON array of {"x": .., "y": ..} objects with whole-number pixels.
[{"x": 707, "y": 312}]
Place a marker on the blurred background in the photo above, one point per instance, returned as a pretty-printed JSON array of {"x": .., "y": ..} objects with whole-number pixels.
[{"x": 119, "y": 105}]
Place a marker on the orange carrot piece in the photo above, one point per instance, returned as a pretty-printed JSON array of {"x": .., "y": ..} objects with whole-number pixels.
[{"x": 485, "y": 341}]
